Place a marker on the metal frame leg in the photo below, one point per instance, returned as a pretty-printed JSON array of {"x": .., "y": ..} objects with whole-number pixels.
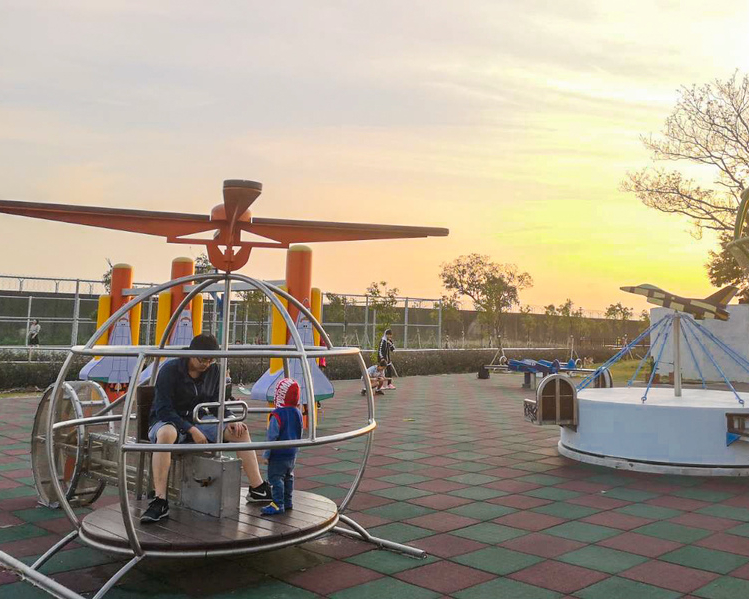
[
  {"x": 359, "y": 532},
  {"x": 54, "y": 549},
  {"x": 120, "y": 573}
]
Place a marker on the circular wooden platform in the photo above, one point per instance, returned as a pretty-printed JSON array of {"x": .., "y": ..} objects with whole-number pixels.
[{"x": 189, "y": 531}]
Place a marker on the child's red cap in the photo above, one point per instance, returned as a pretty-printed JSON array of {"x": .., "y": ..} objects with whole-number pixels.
[{"x": 287, "y": 394}]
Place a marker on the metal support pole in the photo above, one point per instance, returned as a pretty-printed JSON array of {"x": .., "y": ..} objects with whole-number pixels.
[
  {"x": 76, "y": 313},
  {"x": 405, "y": 326},
  {"x": 28, "y": 321},
  {"x": 374, "y": 328},
  {"x": 148, "y": 320},
  {"x": 366, "y": 318},
  {"x": 677, "y": 355},
  {"x": 224, "y": 361}
]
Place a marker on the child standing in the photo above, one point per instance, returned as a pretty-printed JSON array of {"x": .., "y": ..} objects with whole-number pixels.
[
  {"x": 385, "y": 352},
  {"x": 285, "y": 424}
]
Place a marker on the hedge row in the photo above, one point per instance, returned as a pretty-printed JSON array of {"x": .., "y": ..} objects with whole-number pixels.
[{"x": 16, "y": 373}]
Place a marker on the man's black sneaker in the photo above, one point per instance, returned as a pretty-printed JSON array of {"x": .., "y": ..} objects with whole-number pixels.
[
  {"x": 260, "y": 493},
  {"x": 157, "y": 510}
]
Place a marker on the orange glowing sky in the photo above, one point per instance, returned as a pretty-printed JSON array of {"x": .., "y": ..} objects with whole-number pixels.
[{"x": 512, "y": 123}]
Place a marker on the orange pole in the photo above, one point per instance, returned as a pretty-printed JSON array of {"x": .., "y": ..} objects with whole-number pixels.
[
  {"x": 122, "y": 278},
  {"x": 181, "y": 267},
  {"x": 299, "y": 276}
]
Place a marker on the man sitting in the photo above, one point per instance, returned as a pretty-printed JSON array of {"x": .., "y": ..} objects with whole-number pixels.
[{"x": 181, "y": 385}]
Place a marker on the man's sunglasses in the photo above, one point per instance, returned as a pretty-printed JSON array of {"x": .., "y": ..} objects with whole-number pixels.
[{"x": 208, "y": 361}]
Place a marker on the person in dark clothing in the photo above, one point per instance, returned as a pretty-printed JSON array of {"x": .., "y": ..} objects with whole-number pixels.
[
  {"x": 285, "y": 424},
  {"x": 181, "y": 385},
  {"x": 385, "y": 352},
  {"x": 34, "y": 331}
]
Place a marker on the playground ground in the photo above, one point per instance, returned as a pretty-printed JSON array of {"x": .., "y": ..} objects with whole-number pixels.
[{"x": 456, "y": 471}]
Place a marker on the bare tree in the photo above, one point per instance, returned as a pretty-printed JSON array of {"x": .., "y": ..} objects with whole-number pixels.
[{"x": 709, "y": 126}]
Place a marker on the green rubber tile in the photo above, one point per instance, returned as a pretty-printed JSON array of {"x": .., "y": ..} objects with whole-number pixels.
[
  {"x": 478, "y": 493},
  {"x": 472, "y": 478},
  {"x": 608, "y": 479},
  {"x": 630, "y": 494},
  {"x": 582, "y": 531},
  {"x": 267, "y": 590},
  {"x": 542, "y": 479},
  {"x": 76, "y": 559},
  {"x": 388, "y": 562},
  {"x": 606, "y": 560},
  {"x": 331, "y": 492},
  {"x": 552, "y": 493},
  {"x": 406, "y": 466},
  {"x": 467, "y": 455},
  {"x": 621, "y": 588},
  {"x": 385, "y": 587},
  {"x": 22, "y": 491},
  {"x": 480, "y": 510},
  {"x": 21, "y": 531},
  {"x": 401, "y": 493},
  {"x": 489, "y": 532},
  {"x": 37, "y": 514},
  {"x": 741, "y": 530},
  {"x": 703, "y": 495},
  {"x": 472, "y": 467},
  {"x": 534, "y": 467},
  {"x": 409, "y": 455},
  {"x": 410, "y": 446},
  {"x": 400, "y": 532},
  {"x": 338, "y": 478},
  {"x": 340, "y": 466},
  {"x": 504, "y": 588},
  {"x": 497, "y": 560},
  {"x": 652, "y": 512},
  {"x": 673, "y": 532},
  {"x": 726, "y": 511},
  {"x": 725, "y": 587},
  {"x": 22, "y": 590},
  {"x": 568, "y": 511},
  {"x": 403, "y": 479},
  {"x": 13, "y": 465},
  {"x": 400, "y": 510},
  {"x": 705, "y": 559}
]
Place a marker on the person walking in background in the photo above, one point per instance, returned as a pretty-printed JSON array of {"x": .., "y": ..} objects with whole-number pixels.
[
  {"x": 385, "y": 352},
  {"x": 34, "y": 331}
]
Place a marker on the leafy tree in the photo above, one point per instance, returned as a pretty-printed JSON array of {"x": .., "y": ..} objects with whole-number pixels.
[
  {"x": 494, "y": 288},
  {"x": 451, "y": 313},
  {"x": 708, "y": 127},
  {"x": 618, "y": 312},
  {"x": 106, "y": 278},
  {"x": 203, "y": 265},
  {"x": 383, "y": 300},
  {"x": 254, "y": 307},
  {"x": 337, "y": 310},
  {"x": 528, "y": 321}
]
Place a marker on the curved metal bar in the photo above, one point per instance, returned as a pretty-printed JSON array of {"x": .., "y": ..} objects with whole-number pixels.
[
  {"x": 127, "y": 517},
  {"x": 272, "y": 351},
  {"x": 55, "y": 480},
  {"x": 178, "y": 311},
  {"x": 39, "y": 580},
  {"x": 213, "y": 404},
  {"x": 368, "y": 447},
  {"x": 191, "y": 448},
  {"x": 86, "y": 421},
  {"x": 119, "y": 574},
  {"x": 54, "y": 549}
]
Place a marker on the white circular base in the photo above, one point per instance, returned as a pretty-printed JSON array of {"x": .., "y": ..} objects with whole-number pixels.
[{"x": 681, "y": 435}]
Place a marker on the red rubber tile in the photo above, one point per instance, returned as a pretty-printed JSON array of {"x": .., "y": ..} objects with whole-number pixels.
[
  {"x": 521, "y": 502},
  {"x": 332, "y": 577},
  {"x": 670, "y": 576},
  {"x": 529, "y": 521},
  {"x": 617, "y": 520},
  {"x": 563, "y": 578},
  {"x": 445, "y": 577},
  {"x": 640, "y": 544},
  {"x": 446, "y": 545},
  {"x": 703, "y": 521},
  {"x": 726, "y": 542},
  {"x": 442, "y": 521}
]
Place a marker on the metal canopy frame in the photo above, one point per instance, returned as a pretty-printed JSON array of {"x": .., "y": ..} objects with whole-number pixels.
[{"x": 296, "y": 350}]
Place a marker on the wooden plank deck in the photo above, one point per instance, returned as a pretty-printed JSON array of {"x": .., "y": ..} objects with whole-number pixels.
[{"x": 186, "y": 530}]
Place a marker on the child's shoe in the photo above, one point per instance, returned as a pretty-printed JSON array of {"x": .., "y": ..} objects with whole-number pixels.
[
  {"x": 379, "y": 392},
  {"x": 271, "y": 510},
  {"x": 390, "y": 386}
]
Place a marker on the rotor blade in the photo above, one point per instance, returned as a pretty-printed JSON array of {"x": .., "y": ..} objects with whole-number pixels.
[
  {"x": 137, "y": 221},
  {"x": 299, "y": 231}
]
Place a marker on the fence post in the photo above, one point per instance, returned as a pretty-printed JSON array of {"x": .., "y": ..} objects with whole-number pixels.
[
  {"x": 374, "y": 328},
  {"x": 405, "y": 326},
  {"x": 439, "y": 326},
  {"x": 28, "y": 321},
  {"x": 76, "y": 313},
  {"x": 366, "y": 318},
  {"x": 148, "y": 321}
]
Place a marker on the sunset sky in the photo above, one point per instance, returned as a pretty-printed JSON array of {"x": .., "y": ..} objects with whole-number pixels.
[{"x": 510, "y": 122}]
